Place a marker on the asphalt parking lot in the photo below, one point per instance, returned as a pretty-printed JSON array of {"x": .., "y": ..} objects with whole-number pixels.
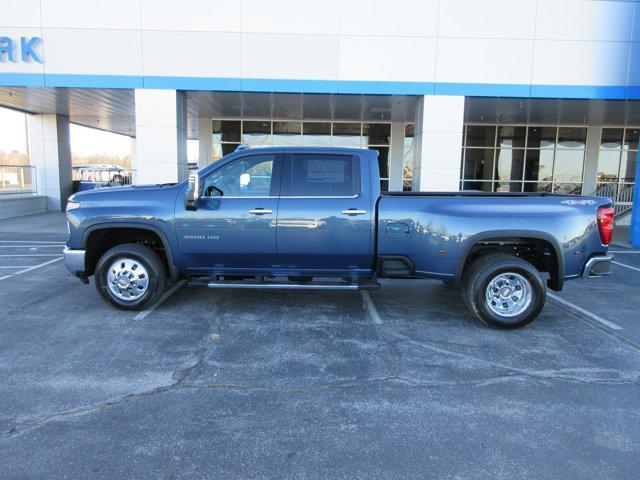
[{"x": 237, "y": 384}]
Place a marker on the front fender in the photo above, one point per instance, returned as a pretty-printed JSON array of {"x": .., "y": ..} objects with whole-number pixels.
[{"x": 173, "y": 257}]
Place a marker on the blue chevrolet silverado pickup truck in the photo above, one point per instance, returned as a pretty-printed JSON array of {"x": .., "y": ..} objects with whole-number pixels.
[{"x": 296, "y": 217}]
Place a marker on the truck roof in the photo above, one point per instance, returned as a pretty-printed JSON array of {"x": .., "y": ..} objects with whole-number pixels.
[{"x": 310, "y": 149}]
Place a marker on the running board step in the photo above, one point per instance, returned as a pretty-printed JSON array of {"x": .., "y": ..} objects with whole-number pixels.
[{"x": 275, "y": 285}]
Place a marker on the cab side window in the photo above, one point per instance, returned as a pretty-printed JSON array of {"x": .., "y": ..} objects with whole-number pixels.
[{"x": 246, "y": 177}]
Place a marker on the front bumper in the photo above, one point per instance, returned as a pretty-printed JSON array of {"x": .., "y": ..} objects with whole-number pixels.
[
  {"x": 598, "y": 266},
  {"x": 74, "y": 261}
]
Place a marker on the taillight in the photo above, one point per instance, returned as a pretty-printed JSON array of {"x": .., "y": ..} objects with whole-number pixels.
[{"x": 605, "y": 224}]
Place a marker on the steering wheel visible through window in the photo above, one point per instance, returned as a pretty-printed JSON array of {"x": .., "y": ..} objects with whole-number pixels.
[{"x": 245, "y": 177}]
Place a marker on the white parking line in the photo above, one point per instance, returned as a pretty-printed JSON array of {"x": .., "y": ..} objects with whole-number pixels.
[
  {"x": 32, "y": 241},
  {"x": 166, "y": 295},
  {"x": 31, "y": 246},
  {"x": 370, "y": 307},
  {"x": 28, "y": 269},
  {"x": 627, "y": 266},
  {"x": 581, "y": 310},
  {"x": 31, "y": 255}
]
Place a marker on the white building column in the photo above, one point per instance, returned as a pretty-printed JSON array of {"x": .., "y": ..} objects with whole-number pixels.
[
  {"x": 161, "y": 137},
  {"x": 133, "y": 153},
  {"x": 590, "y": 173},
  {"x": 438, "y": 143},
  {"x": 396, "y": 156},
  {"x": 205, "y": 132},
  {"x": 50, "y": 153}
]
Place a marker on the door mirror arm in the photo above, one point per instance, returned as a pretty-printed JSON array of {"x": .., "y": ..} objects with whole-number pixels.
[{"x": 193, "y": 192}]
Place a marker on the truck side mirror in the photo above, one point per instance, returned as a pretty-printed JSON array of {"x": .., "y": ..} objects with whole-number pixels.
[{"x": 193, "y": 192}]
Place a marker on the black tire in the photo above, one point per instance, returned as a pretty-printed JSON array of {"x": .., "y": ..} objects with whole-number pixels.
[
  {"x": 491, "y": 266},
  {"x": 155, "y": 272}
]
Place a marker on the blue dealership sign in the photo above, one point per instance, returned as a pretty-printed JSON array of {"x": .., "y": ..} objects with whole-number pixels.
[{"x": 25, "y": 50}]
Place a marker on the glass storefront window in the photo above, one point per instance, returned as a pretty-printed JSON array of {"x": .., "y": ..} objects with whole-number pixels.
[
  {"x": 618, "y": 156},
  {"x": 216, "y": 151},
  {"x": 631, "y": 139},
  {"x": 536, "y": 187},
  {"x": 256, "y": 133},
  {"x": 479, "y": 185},
  {"x": 478, "y": 164},
  {"x": 611, "y": 138},
  {"x": 346, "y": 134},
  {"x": 227, "y": 130},
  {"x": 228, "y": 148},
  {"x": 541, "y": 137},
  {"x": 511, "y": 137},
  {"x": 376, "y": 133},
  {"x": 383, "y": 160},
  {"x": 538, "y": 165},
  {"x": 568, "y": 165},
  {"x": 572, "y": 137},
  {"x": 508, "y": 186},
  {"x": 527, "y": 158},
  {"x": 480, "y": 136},
  {"x": 227, "y": 135},
  {"x": 509, "y": 164},
  {"x": 608, "y": 165},
  {"x": 287, "y": 133},
  {"x": 407, "y": 159},
  {"x": 628, "y": 163},
  {"x": 571, "y": 188},
  {"x": 316, "y": 133}
]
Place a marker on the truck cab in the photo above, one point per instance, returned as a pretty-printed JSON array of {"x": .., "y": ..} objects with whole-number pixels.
[{"x": 293, "y": 212}]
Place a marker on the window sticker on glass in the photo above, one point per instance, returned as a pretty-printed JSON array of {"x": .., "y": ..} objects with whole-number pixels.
[{"x": 326, "y": 171}]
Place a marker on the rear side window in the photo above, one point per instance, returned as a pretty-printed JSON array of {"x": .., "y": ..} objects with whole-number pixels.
[{"x": 324, "y": 176}]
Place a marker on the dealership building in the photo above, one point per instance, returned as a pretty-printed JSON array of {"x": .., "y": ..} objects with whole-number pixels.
[{"x": 493, "y": 95}]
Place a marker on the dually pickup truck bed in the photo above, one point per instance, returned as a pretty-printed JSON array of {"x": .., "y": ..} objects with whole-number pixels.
[{"x": 296, "y": 217}]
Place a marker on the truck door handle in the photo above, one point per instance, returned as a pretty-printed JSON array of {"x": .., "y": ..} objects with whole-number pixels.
[
  {"x": 260, "y": 211},
  {"x": 354, "y": 211}
]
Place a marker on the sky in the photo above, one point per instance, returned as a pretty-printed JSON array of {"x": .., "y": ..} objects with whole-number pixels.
[
  {"x": 13, "y": 132},
  {"x": 84, "y": 141},
  {"x": 89, "y": 141}
]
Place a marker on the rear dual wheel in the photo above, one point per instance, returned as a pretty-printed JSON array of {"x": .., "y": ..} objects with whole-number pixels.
[{"x": 503, "y": 290}]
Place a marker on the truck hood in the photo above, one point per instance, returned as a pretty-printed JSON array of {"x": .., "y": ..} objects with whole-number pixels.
[{"x": 113, "y": 193}]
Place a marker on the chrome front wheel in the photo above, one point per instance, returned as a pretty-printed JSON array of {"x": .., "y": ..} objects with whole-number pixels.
[
  {"x": 127, "y": 279},
  {"x": 509, "y": 294},
  {"x": 130, "y": 276}
]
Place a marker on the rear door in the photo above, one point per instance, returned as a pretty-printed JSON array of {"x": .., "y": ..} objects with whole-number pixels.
[{"x": 325, "y": 217}]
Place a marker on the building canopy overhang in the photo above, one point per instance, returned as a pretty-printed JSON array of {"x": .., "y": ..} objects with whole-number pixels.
[{"x": 114, "y": 109}]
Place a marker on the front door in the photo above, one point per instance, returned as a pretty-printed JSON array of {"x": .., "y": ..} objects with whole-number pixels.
[
  {"x": 325, "y": 217},
  {"x": 233, "y": 230}
]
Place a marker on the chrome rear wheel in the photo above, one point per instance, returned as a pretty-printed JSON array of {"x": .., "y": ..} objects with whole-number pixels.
[
  {"x": 509, "y": 294},
  {"x": 503, "y": 290}
]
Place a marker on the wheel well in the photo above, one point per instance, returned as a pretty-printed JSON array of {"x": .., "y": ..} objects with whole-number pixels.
[
  {"x": 99, "y": 241},
  {"x": 538, "y": 252}
]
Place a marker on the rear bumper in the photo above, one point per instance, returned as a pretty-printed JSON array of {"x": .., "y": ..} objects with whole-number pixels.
[
  {"x": 74, "y": 261},
  {"x": 598, "y": 266}
]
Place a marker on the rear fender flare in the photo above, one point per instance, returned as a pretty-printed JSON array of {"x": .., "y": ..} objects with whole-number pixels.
[{"x": 535, "y": 234}]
